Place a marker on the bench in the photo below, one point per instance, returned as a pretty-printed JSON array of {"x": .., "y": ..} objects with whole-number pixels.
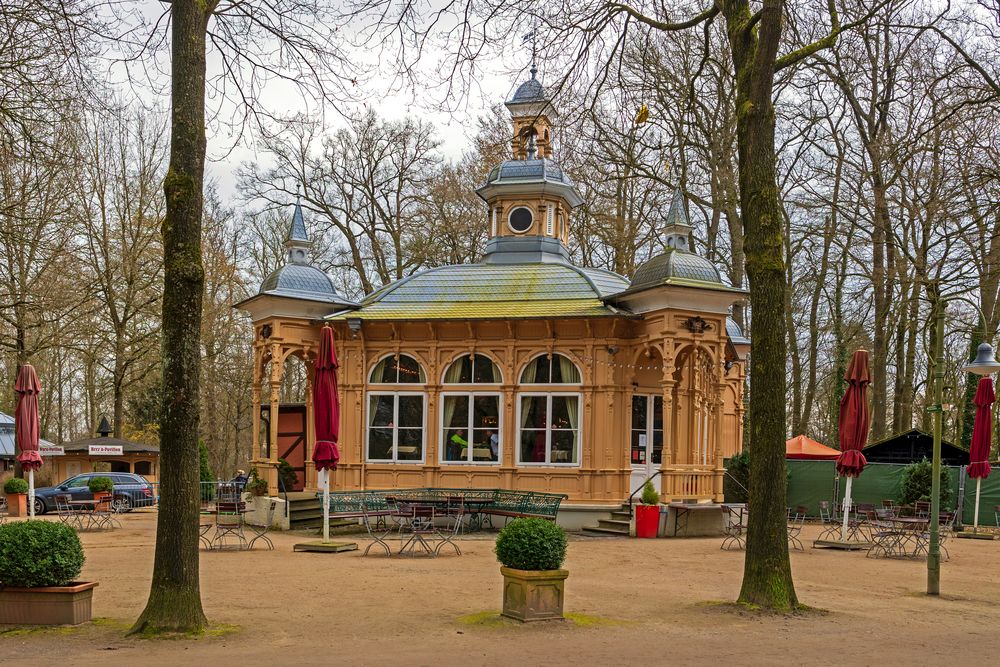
[{"x": 372, "y": 504}]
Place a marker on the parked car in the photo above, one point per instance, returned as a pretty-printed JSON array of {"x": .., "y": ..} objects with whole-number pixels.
[{"x": 130, "y": 491}]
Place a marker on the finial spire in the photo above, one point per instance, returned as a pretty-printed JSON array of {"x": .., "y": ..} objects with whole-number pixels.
[
  {"x": 533, "y": 37},
  {"x": 677, "y": 230},
  {"x": 298, "y": 242}
]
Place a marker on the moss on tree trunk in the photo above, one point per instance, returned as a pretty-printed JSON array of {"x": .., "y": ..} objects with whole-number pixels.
[
  {"x": 174, "y": 603},
  {"x": 767, "y": 575}
]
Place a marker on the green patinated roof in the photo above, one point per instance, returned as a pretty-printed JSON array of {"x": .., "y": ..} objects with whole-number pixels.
[{"x": 493, "y": 291}]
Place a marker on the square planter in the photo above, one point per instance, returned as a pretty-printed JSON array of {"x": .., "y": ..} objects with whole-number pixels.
[
  {"x": 533, "y": 595},
  {"x": 17, "y": 504},
  {"x": 50, "y": 605}
]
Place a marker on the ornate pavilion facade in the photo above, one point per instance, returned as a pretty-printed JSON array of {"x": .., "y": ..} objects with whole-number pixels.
[{"x": 523, "y": 371}]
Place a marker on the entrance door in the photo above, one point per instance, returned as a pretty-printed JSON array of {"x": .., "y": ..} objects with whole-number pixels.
[
  {"x": 646, "y": 438},
  {"x": 292, "y": 441}
]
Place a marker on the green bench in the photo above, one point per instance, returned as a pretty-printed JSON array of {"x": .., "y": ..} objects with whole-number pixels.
[{"x": 373, "y": 504}]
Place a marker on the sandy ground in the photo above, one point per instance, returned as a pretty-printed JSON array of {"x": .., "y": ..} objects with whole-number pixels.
[{"x": 643, "y": 602}]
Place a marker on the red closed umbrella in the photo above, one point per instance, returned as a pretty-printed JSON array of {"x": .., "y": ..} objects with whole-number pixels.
[
  {"x": 26, "y": 427},
  {"x": 853, "y": 424},
  {"x": 982, "y": 431},
  {"x": 326, "y": 415}
]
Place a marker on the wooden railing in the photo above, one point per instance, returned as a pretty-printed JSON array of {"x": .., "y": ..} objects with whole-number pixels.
[{"x": 691, "y": 482}]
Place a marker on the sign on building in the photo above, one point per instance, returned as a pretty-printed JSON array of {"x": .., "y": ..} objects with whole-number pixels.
[
  {"x": 104, "y": 450},
  {"x": 50, "y": 450}
]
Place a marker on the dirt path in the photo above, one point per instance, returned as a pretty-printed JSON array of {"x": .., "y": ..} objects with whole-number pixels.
[{"x": 643, "y": 602}]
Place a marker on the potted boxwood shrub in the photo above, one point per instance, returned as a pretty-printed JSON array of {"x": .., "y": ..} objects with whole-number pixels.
[
  {"x": 647, "y": 515},
  {"x": 256, "y": 485},
  {"x": 16, "y": 490},
  {"x": 39, "y": 562},
  {"x": 531, "y": 553},
  {"x": 101, "y": 487}
]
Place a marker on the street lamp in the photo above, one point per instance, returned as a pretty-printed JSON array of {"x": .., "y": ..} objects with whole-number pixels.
[{"x": 985, "y": 363}]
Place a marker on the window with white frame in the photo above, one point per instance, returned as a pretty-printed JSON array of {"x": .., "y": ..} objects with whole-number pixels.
[
  {"x": 396, "y": 426},
  {"x": 470, "y": 421},
  {"x": 550, "y": 369},
  {"x": 549, "y": 429},
  {"x": 398, "y": 369},
  {"x": 470, "y": 427},
  {"x": 472, "y": 369}
]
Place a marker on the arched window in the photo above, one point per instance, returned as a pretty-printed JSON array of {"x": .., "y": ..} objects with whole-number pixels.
[
  {"x": 398, "y": 369},
  {"x": 472, "y": 369},
  {"x": 470, "y": 420},
  {"x": 556, "y": 369}
]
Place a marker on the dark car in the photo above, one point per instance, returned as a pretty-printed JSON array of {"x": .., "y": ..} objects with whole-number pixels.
[{"x": 130, "y": 491}]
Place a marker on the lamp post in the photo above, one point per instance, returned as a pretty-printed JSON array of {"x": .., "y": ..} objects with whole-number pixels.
[{"x": 984, "y": 364}]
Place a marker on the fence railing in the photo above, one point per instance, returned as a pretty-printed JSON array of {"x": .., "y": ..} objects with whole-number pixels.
[{"x": 691, "y": 482}]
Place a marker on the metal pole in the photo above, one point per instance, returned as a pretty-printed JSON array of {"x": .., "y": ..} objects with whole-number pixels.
[
  {"x": 326, "y": 505},
  {"x": 934, "y": 552},
  {"x": 975, "y": 521},
  {"x": 847, "y": 510},
  {"x": 31, "y": 493}
]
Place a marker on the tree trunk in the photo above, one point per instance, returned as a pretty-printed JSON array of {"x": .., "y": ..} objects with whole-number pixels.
[
  {"x": 175, "y": 599},
  {"x": 767, "y": 575}
]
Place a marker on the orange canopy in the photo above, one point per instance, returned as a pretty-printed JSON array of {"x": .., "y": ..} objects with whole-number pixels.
[{"x": 801, "y": 447}]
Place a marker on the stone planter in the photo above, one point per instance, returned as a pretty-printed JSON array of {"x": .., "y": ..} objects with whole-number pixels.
[
  {"x": 17, "y": 504},
  {"x": 533, "y": 595},
  {"x": 50, "y": 605}
]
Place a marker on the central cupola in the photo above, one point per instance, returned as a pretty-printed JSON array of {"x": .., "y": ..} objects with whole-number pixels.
[{"x": 530, "y": 197}]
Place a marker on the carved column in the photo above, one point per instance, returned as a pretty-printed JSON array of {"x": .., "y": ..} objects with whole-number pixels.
[
  {"x": 311, "y": 480},
  {"x": 277, "y": 372}
]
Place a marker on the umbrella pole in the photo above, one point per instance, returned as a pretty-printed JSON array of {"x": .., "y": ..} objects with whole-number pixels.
[
  {"x": 31, "y": 492},
  {"x": 975, "y": 521},
  {"x": 326, "y": 505},
  {"x": 847, "y": 509}
]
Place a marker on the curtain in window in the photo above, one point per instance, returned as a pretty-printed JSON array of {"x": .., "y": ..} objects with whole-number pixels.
[
  {"x": 573, "y": 411},
  {"x": 496, "y": 371},
  {"x": 454, "y": 374},
  {"x": 568, "y": 370},
  {"x": 530, "y": 372}
]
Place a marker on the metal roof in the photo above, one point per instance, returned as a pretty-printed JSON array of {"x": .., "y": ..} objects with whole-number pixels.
[
  {"x": 735, "y": 333},
  {"x": 528, "y": 171},
  {"x": 297, "y": 232},
  {"x": 529, "y": 91},
  {"x": 494, "y": 291},
  {"x": 675, "y": 263},
  {"x": 7, "y": 436},
  {"x": 301, "y": 281}
]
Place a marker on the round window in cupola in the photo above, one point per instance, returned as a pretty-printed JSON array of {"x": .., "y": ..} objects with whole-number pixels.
[{"x": 520, "y": 219}]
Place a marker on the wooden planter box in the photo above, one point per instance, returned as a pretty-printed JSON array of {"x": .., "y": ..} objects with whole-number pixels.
[
  {"x": 17, "y": 504},
  {"x": 530, "y": 595},
  {"x": 52, "y": 605}
]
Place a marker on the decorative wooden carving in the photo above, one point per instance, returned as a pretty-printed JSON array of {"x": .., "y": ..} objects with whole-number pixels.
[{"x": 697, "y": 324}]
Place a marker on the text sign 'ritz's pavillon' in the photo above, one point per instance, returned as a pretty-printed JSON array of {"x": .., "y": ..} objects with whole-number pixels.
[{"x": 523, "y": 371}]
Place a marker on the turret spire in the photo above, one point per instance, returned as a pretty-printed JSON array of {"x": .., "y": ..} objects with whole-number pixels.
[
  {"x": 677, "y": 229},
  {"x": 297, "y": 242}
]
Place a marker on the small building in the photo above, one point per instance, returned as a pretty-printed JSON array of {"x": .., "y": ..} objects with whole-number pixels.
[
  {"x": 523, "y": 371},
  {"x": 105, "y": 453},
  {"x": 912, "y": 446},
  {"x": 8, "y": 446}
]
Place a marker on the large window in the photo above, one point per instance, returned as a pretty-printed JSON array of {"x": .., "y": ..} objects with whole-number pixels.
[
  {"x": 555, "y": 370},
  {"x": 470, "y": 428},
  {"x": 398, "y": 369},
  {"x": 396, "y": 426},
  {"x": 549, "y": 429},
  {"x": 474, "y": 369}
]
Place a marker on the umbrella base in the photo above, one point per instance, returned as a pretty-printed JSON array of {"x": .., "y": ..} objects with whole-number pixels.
[
  {"x": 842, "y": 545},
  {"x": 975, "y": 536},
  {"x": 326, "y": 547}
]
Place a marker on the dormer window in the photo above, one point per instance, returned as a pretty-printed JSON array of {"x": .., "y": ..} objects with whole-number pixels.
[{"x": 520, "y": 219}]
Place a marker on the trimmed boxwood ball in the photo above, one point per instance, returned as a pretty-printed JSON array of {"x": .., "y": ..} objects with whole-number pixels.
[
  {"x": 100, "y": 485},
  {"x": 531, "y": 544},
  {"x": 39, "y": 553},
  {"x": 15, "y": 485}
]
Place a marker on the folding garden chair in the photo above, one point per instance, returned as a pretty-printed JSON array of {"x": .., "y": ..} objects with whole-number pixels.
[
  {"x": 260, "y": 532},
  {"x": 734, "y": 528},
  {"x": 68, "y": 515}
]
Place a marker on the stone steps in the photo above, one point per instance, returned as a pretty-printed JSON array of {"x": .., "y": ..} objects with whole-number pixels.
[{"x": 617, "y": 526}]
